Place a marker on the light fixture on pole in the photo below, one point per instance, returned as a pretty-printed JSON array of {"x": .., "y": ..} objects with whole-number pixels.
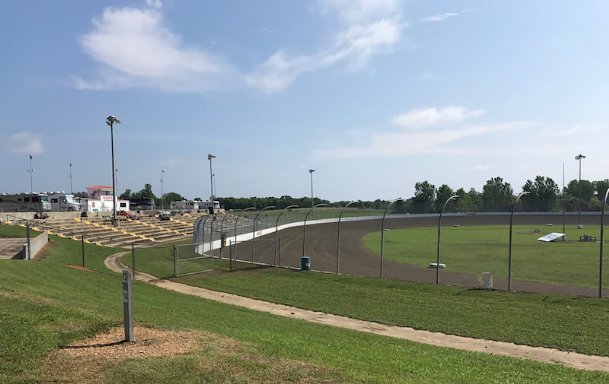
[
  {"x": 70, "y": 177},
  {"x": 254, "y": 228},
  {"x": 304, "y": 226},
  {"x": 31, "y": 172},
  {"x": 383, "y": 232},
  {"x": 439, "y": 222},
  {"x": 311, "y": 172},
  {"x": 162, "y": 200},
  {"x": 277, "y": 261},
  {"x": 600, "y": 267},
  {"x": 111, "y": 120},
  {"x": 338, "y": 237},
  {"x": 510, "y": 244},
  {"x": 211, "y": 179},
  {"x": 579, "y": 183}
]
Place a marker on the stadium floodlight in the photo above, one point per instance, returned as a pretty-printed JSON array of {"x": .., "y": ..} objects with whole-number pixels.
[
  {"x": 383, "y": 232},
  {"x": 579, "y": 183},
  {"x": 439, "y": 222},
  {"x": 510, "y": 243},
  {"x": 277, "y": 261},
  {"x": 211, "y": 179},
  {"x": 338, "y": 236},
  {"x": 111, "y": 120}
]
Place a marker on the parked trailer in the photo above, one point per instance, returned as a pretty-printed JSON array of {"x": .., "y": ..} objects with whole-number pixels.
[{"x": 25, "y": 202}]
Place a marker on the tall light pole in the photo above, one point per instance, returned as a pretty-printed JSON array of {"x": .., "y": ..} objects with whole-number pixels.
[
  {"x": 70, "y": 177},
  {"x": 439, "y": 222},
  {"x": 211, "y": 178},
  {"x": 111, "y": 120},
  {"x": 600, "y": 267},
  {"x": 338, "y": 237},
  {"x": 162, "y": 179},
  {"x": 311, "y": 172},
  {"x": 579, "y": 216},
  {"x": 383, "y": 232},
  {"x": 31, "y": 172},
  {"x": 510, "y": 244}
]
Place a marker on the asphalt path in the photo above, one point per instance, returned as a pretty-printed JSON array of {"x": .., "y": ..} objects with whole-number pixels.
[{"x": 355, "y": 259}]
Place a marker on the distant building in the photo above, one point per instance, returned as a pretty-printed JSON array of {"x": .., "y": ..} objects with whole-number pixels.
[{"x": 99, "y": 199}]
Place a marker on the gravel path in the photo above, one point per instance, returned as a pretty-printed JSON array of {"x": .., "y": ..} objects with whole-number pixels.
[{"x": 545, "y": 355}]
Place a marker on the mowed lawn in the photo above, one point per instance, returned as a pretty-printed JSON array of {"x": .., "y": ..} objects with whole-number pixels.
[
  {"x": 47, "y": 304},
  {"x": 485, "y": 249}
]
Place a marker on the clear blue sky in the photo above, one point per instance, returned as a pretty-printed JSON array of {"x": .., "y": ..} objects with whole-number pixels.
[{"x": 374, "y": 95}]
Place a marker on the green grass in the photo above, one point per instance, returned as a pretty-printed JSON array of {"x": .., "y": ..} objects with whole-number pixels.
[
  {"x": 44, "y": 305},
  {"x": 567, "y": 323},
  {"x": 485, "y": 249},
  {"x": 65, "y": 304},
  {"x": 14, "y": 231}
]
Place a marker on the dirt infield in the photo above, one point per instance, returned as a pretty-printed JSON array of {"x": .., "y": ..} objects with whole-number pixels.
[{"x": 356, "y": 259}]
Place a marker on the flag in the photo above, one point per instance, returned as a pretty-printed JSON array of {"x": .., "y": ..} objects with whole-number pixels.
[{"x": 30, "y": 157}]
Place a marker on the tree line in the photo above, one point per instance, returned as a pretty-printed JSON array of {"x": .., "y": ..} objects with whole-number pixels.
[{"x": 497, "y": 195}]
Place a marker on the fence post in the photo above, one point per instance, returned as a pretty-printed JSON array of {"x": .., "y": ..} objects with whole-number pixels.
[
  {"x": 175, "y": 260},
  {"x": 230, "y": 256},
  {"x": 133, "y": 259},
  {"x": 29, "y": 247},
  {"x": 82, "y": 246},
  {"x": 279, "y": 253}
]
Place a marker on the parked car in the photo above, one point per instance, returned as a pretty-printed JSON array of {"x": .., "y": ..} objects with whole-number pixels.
[{"x": 164, "y": 215}]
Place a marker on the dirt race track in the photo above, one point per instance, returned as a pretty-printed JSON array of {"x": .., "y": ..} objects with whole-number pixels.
[{"x": 355, "y": 259}]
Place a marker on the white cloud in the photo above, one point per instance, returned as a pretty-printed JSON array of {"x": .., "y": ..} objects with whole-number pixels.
[
  {"x": 24, "y": 143},
  {"x": 158, "y": 4},
  {"x": 369, "y": 28},
  {"x": 440, "y": 17},
  {"x": 481, "y": 167},
  {"x": 136, "y": 49},
  {"x": 419, "y": 118},
  {"x": 451, "y": 136}
]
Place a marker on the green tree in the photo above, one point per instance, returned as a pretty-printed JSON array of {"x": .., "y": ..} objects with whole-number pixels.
[
  {"x": 424, "y": 197},
  {"x": 497, "y": 195},
  {"x": 587, "y": 192},
  {"x": 543, "y": 195},
  {"x": 125, "y": 195},
  {"x": 444, "y": 193}
]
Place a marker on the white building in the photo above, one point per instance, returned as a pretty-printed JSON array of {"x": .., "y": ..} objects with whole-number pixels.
[{"x": 100, "y": 200}]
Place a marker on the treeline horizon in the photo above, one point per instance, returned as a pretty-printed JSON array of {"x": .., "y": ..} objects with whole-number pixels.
[{"x": 497, "y": 195}]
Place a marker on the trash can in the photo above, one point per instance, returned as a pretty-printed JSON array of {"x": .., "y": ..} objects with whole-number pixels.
[
  {"x": 485, "y": 280},
  {"x": 305, "y": 263}
]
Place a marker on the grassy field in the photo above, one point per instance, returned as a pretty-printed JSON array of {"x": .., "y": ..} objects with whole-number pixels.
[
  {"x": 46, "y": 304},
  {"x": 485, "y": 249}
]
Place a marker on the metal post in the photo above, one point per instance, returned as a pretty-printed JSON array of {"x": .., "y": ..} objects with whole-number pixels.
[
  {"x": 439, "y": 221},
  {"x": 29, "y": 245},
  {"x": 236, "y": 222},
  {"x": 162, "y": 200},
  {"x": 175, "y": 260},
  {"x": 383, "y": 233},
  {"x": 279, "y": 254},
  {"x": 230, "y": 256},
  {"x": 311, "y": 172},
  {"x": 254, "y": 228},
  {"x": 82, "y": 243},
  {"x": 111, "y": 120},
  {"x": 211, "y": 178},
  {"x": 211, "y": 235},
  {"x": 222, "y": 233},
  {"x": 127, "y": 305},
  {"x": 71, "y": 190},
  {"x": 510, "y": 244},
  {"x": 304, "y": 227},
  {"x": 133, "y": 259},
  {"x": 579, "y": 216},
  {"x": 600, "y": 266},
  {"x": 277, "y": 231},
  {"x": 338, "y": 237},
  {"x": 562, "y": 198},
  {"x": 31, "y": 172}
]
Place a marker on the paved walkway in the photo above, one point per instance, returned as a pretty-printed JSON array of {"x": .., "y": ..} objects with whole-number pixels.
[
  {"x": 545, "y": 355},
  {"x": 10, "y": 247}
]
